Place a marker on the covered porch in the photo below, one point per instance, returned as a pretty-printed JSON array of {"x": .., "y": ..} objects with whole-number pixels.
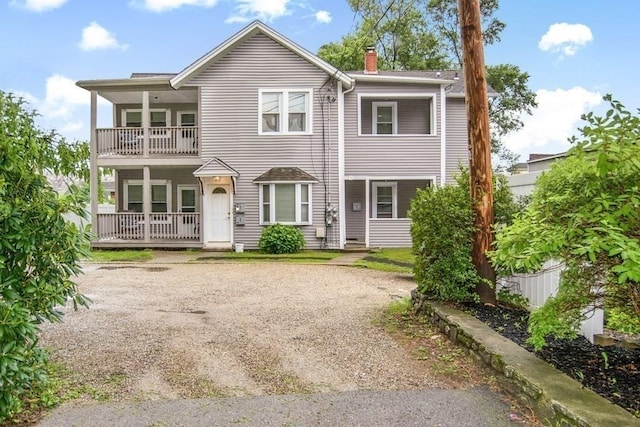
[
  {"x": 153, "y": 207},
  {"x": 377, "y": 210}
]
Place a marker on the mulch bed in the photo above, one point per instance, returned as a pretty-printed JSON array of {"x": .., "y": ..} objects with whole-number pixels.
[{"x": 613, "y": 372}]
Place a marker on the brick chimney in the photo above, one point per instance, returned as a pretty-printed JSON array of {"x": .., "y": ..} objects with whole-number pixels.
[{"x": 371, "y": 61}]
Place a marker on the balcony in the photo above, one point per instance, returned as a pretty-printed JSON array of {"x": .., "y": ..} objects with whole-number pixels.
[{"x": 163, "y": 141}]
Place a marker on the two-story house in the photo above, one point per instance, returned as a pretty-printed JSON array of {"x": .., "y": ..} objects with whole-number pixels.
[{"x": 259, "y": 131}]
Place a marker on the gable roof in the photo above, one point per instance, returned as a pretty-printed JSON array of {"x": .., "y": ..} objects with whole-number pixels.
[
  {"x": 215, "y": 167},
  {"x": 250, "y": 30}
]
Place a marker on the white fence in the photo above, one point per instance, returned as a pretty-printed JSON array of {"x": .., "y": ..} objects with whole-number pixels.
[{"x": 539, "y": 286}]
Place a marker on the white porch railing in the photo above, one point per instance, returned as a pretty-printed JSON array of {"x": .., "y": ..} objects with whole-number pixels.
[
  {"x": 537, "y": 287},
  {"x": 176, "y": 140},
  {"x": 163, "y": 226}
]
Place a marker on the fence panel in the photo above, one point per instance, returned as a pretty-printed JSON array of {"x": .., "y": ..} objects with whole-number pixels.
[{"x": 537, "y": 287}]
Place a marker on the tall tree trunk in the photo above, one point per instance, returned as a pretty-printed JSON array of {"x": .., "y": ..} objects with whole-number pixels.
[{"x": 479, "y": 145}]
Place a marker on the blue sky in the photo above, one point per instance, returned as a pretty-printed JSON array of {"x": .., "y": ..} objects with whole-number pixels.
[{"x": 575, "y": 51}]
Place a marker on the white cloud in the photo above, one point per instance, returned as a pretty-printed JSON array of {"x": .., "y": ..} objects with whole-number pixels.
[
  {"x": 565, "y": 38},
  {"x": 165, "y": 5},
  {"x": 265, "y": 10},
  {"x": 96, "y": 37},
  {"x": 323, "y": 17},
  {"x": 556, "y": 118},
  {"x": 39, "y": 5},
  {"x": 63, "y": 108}
]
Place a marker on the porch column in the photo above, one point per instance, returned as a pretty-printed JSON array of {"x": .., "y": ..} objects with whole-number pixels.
[
  {"x": 145, "y": 123},
  {"x": 93, "y": 165},
  {"x": 367, "y": 206},
  {"x": 146, "y": 202}
]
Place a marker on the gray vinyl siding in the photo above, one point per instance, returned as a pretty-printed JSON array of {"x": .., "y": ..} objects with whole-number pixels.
[
  {"x": 173, "y": 110},
  {"x": 355, "y": 220},
  {"x": 457, "y": 146},
  {"x": 390, "y": 233},
  {"x": 177, "y": 176},
  {"x": 406, "y": 192},
  {"x": 229, "y": 129},
  {"x": 414, "y": 116},
  {"x": 392, "y": 155}
]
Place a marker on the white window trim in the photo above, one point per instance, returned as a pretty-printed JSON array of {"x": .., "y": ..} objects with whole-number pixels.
[
  {"x": 195, "y": 188},
  {"x": 394, "y": 116},
  {"x": 167, "y": 113},
  {"x": 125, "y": 189},
  {"x": 432, "y": 96},
  {"x": 394, "y": 201},
  {"x": 284, "y": 111},
  {"x": 180, "y": 113},
  {"x": 272, "y": 204}
]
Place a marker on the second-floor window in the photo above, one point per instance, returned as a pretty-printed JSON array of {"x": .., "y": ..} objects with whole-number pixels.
[
  {"x": 284, "y": 111},
  {"x": 157, "y": 118}
]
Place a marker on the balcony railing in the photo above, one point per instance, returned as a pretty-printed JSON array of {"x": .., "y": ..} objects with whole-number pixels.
[
  {"x": 129, "y": 226},
  {"x": 175, "y": 140}
]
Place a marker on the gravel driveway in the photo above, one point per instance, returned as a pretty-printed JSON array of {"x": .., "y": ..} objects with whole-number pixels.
[{"x": 231, "y": 330}]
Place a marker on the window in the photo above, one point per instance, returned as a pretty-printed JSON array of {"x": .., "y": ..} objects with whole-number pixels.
[
  {"x": 187, "y": 199},
  {"x": 285, "y": 203},
  {"x": 186, "y": 118},
  {"x": 385, "y": 118},
  {"x": 157, "y": 118},
  {"x": 385, "y": 203},
  {"x": 160, "y": 195},
  {"x": 285, "y": 111}
]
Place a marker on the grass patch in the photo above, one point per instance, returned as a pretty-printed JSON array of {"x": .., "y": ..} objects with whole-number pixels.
[
  {"x": 302, "y": 257},
  {"x": 58, "y": 387},
  {"x": 426, "y": 343},
  {"x": 121, "y": 255},
  {"x": 393, "y": 260}
]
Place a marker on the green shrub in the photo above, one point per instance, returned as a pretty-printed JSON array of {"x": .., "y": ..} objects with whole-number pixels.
[
  {"x": 585, "y": 213},
  {"x": 623, "y": 320},
  {"x": 441, "y": 231},
  {"x": 40, "y": 252},
  {"x": 281, "y": 239}
]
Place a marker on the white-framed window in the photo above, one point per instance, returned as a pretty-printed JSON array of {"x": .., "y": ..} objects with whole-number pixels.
[
  {"x": 385, "y": 200},
  {"x": 384, "y": 118},
  {"x": 134, "y": 195},
  {"x": 285, "y": 203},
  {"x": 284, "y": 111},
  {"x": 188, "y": 198},
  {"x": 187, "y": 118},
  {"x": 158, "y": 117}
]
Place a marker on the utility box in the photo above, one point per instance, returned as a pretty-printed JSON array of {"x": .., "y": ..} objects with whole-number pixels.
[{"x": 320, "y": 232}]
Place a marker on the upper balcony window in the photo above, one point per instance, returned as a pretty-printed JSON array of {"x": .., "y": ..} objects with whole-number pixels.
[
  {"x": 157, "y": 118},
  {"x": 284, "y": 111},
  {"x": 397, "y": 114}
]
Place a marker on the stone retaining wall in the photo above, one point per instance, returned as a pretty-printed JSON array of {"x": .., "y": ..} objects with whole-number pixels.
[{"x": 555, "y": 398}]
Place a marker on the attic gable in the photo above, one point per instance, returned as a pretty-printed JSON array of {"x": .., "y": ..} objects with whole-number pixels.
[{"x": 249, "y": 31}]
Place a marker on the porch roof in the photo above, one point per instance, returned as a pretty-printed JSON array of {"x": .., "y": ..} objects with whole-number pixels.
[{"x": 215, "y": 167}]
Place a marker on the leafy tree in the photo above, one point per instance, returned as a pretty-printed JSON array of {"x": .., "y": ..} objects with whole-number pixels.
[
  {"x": 442, "y": 231},
  {"x": 39, "y": 250},
  {"x": 423, "y": 35},
  {"x": 584, "y": 212}
]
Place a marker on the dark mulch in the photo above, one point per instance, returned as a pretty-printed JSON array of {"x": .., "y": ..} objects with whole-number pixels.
[{"x": 613, "y": 372}]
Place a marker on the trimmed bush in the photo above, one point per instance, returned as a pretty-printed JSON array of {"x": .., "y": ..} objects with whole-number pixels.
[{"x": 281, "y": 239}]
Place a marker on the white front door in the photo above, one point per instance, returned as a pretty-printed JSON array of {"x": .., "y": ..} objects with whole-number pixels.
[{"x": 219, "y": 219}]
